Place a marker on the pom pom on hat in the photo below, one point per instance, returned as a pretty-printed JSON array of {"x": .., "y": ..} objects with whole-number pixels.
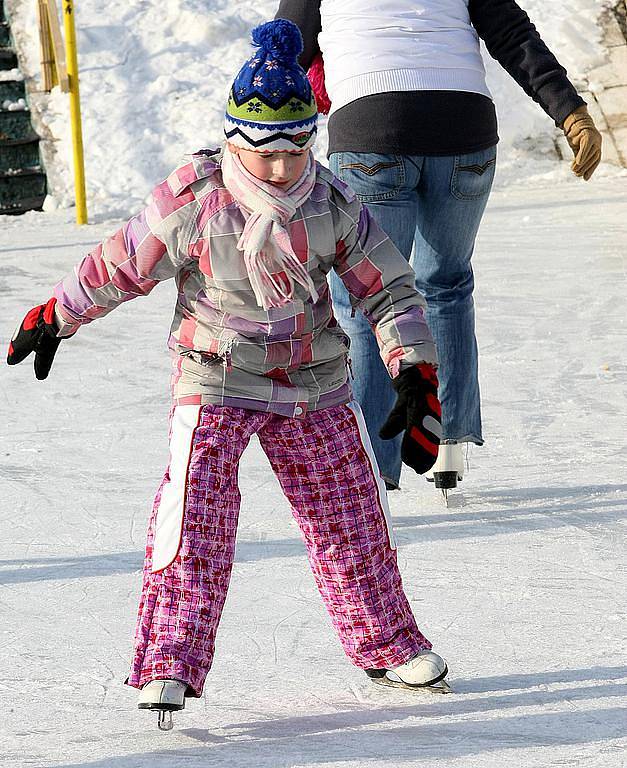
[
  {"x": 280, "y": 38},
  {"x": 271, "y": 106}
]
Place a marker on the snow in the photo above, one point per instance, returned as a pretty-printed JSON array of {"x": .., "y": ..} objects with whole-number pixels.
[
  {"x": 14, "y": 106},
  {"x": 520, "y": 583},
  {"x": 154, "y": 80},
  {"x": 11, "y": 74}
]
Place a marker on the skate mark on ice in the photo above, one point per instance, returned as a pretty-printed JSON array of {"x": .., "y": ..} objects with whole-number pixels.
[{"x": 275, "y": 631}]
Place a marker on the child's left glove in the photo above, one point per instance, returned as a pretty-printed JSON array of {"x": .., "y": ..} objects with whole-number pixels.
[
  {"x": 36, "y": 333},
  {"x": 418, "y": 412}
]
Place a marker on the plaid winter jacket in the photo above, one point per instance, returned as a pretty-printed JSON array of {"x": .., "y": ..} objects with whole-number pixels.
[{"x": 226, "y": 349}]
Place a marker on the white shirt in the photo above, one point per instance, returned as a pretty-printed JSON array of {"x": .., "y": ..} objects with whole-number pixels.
[{"x": 376, "y": 46}]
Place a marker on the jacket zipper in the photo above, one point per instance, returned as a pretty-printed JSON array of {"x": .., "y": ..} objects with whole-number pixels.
[{"x": 227, "y": 358}]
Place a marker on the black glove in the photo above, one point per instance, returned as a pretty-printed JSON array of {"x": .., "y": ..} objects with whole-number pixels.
[
  {"x": 418, "y": 412},
  {"x": 36, "y": 333}
]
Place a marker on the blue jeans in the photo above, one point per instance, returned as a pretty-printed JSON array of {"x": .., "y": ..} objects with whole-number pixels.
[{"x": 433, "y": 205}]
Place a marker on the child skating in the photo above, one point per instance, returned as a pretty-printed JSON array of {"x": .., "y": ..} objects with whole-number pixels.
[{"x": 250, "y": 234}]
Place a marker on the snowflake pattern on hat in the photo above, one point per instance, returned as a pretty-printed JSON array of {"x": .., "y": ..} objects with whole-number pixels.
[{"x": 271, "y": 106}]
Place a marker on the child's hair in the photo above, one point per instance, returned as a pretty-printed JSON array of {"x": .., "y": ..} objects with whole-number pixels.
[{"x": 271, "y": 106}]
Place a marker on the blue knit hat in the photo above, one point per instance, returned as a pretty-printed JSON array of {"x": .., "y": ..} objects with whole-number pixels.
[{"x": 271, "y": 106}]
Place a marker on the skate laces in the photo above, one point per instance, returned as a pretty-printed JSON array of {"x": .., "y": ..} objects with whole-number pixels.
[{"x": 415, "y": 660}]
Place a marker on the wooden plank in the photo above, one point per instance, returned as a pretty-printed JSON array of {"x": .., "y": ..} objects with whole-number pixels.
[
  {"x": 57, "y": 43},
  {"x": 46, "y": 52}
]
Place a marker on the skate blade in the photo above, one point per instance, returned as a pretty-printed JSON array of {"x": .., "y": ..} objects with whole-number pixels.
[
  {"x": 440, "y": 687},
  {"x": 165, "y": 722}
]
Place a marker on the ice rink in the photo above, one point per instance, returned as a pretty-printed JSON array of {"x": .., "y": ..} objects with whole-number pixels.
[{"x": 520, "y": 583}]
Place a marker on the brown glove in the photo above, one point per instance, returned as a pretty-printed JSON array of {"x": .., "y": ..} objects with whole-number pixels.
[{"x": 584, "y": 140}]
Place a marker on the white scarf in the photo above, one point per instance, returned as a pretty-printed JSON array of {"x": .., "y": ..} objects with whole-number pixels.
[{"x": 271, "y": 263}]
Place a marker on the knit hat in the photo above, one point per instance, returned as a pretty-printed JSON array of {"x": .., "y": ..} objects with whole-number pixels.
[{"x": 271, "y": 106}]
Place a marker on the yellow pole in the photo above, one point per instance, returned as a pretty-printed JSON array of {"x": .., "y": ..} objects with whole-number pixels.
[{"x": 75, "y": 111}]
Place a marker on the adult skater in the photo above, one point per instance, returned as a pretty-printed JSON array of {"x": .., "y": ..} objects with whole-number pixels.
[
  {"x": 413, "y": 130},
  {"x": 250, "y": 235}
]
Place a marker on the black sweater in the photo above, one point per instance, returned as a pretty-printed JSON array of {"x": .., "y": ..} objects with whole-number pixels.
[{"x": 444, "y": 122}]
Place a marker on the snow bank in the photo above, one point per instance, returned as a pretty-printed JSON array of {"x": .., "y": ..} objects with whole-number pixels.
[{"x": 155, "y": 76}]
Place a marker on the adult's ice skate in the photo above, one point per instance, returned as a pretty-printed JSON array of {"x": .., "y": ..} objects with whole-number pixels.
[{"x": 448, "y": 469}]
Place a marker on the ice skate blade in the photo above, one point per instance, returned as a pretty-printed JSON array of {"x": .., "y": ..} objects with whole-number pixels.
[
  {"x": 156, "y": 706},
  {"x": 440, "y": 687},
  {"x": 165, "y": 722}
]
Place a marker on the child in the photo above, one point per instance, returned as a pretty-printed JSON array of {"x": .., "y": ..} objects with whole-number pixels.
[{"x": 250, "y": 235}]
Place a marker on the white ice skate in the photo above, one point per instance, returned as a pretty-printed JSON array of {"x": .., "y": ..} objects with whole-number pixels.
[
  {"x": 426, "y": 671},
  {"x": 165, "y": 697},
  {"x": 448, "y": 469}
]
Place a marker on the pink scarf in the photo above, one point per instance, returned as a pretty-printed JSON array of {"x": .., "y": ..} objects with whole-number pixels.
[{"x": 271, "y": 263}]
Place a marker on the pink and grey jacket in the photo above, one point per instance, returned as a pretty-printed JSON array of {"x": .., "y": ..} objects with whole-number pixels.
[{"x": 227, "y": 350}]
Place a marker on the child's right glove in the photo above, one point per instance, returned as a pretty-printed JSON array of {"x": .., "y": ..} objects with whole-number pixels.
[
  {"x": 36, "y": 333},
  {"x": 418, "y": 412}
]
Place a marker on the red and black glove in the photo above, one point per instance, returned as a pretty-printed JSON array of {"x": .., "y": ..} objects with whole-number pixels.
[
  {"x": 36, "y": 333},
  {"x": 418, "y": 412}
]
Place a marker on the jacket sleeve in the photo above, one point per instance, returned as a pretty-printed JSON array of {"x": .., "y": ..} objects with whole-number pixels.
[
  {"x": 382, "y": 285},
  {"x": 149, "y": 248},
  {"x": 306, "y": 15},
  {"x": 514, "y": 42}
]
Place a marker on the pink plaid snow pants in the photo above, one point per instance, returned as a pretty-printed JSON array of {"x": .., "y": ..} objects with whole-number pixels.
[{"x": 325, "y": 465}]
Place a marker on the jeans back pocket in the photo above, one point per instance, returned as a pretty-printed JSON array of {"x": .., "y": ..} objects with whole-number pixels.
[
  {"x": 473, "y": 174},
  {"x": 370, "y": 175}
]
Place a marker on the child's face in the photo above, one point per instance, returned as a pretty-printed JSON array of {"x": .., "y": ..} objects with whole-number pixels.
[{"x": 280, "y": 168}]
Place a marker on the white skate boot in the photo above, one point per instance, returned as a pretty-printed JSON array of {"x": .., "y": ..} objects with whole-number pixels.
[
  {"x": 165, "y": 697},
  {"x": 425, "y": 671},
  {"x": 448, "y": 469}
]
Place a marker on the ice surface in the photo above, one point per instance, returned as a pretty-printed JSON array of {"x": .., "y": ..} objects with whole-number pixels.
[{"x": 520, "y": 584}]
